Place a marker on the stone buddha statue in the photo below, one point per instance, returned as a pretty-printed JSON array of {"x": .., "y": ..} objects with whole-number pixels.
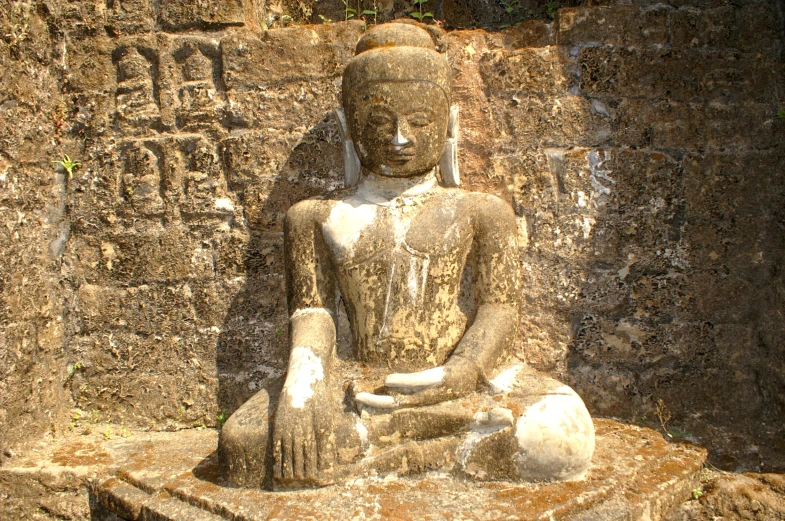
[{"x": 429, "y": 278}]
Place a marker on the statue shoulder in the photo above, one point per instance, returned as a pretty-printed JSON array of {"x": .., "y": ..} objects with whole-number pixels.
[
  {"x": 313, "y": 210},
  {"x": 487, "y": 206}
]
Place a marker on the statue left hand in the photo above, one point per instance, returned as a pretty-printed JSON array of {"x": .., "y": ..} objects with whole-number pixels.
[{"x": 458, "y": 377}]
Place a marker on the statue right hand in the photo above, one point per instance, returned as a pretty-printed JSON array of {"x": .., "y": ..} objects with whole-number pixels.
[{"x": 303, "y": 438}]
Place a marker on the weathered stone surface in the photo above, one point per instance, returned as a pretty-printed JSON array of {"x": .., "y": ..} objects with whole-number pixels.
[
  {"x": 130, "y": 16},
  {"x": 665, "y": 124},
  {"x": 616, "y": 25},
  {"x": 287, "y": 55},
  {"x": 758, "y": 497},
  {"x": 725, "y": 26},
  {"x": 528, "y": 72},
  {"x": 90, "y": 65},
  {"x": 635, "y": 473},
  {"x": 680, "y": 75},
  {"x": 210, "y": 14}
]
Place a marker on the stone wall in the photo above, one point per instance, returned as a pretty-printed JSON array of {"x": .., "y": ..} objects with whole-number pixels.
[{"x": 638, "y": 144}]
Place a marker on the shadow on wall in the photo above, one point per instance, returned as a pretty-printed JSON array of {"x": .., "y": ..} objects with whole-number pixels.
[
  {"x": 659, "y": 243},
  {"x": 253, "y": 345}
]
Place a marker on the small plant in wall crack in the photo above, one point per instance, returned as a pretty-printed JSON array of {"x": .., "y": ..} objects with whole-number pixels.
[
  {"x": 16, "y": 23},
  {"x": 551, "y": 8},
  {"x": 348, "y": 12},
  {"x": 72, "y": 370},
  {"x": 419, "y": 15},
  {"x": 68, "y": 164},
  {"x": 371, "y": 12},
  {"x": 516, "y": 13},
  {"x": 781, "y": 114},
  {"x": 664, "y": 415}
]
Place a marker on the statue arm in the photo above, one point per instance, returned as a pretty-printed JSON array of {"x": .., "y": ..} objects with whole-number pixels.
[
  {"x": 492, "y": 334},
  {"x": 303, "y": 440},
  {"x": 310, "y": 285}
]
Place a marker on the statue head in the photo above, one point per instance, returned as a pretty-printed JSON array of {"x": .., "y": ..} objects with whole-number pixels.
[{"x": 396, "y": 96}]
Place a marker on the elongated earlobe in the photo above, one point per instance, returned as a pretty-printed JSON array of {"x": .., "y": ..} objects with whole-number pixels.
[
  {"x": 351, "y": 163},
  {"x": 448, "y": 163}
]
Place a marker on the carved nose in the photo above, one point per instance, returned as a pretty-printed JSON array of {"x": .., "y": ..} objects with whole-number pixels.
[{"x": 399, "y": 140}]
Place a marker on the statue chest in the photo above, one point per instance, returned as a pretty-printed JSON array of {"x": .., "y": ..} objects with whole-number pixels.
[
  {"x": 399, "y": 270},
  {"x": 357, "y": 231}
]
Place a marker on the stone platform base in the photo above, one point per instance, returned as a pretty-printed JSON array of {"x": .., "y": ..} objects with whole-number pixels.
[{"x": 635, "y": 475}]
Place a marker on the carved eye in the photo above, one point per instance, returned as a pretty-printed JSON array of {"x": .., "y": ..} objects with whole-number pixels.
[
  {"x": 380, "y": 118},
  {"x": 420, "y": 119}
]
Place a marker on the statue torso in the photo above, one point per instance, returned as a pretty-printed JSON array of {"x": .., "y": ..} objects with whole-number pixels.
[{"x": 399, "y": 265}]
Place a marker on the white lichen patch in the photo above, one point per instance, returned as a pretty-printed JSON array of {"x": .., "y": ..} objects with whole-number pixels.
[
  {"x": 494, "y": 420},
  {"x": 346, "y": 222},
  {"x": 362, "y": 432},
  {"x": 600, "y": 176},
  {"x": 224, "y": 203},
  {"x": 305, "y": 369},
  {"x": 302, "y": 312},
  {"x": 555, "y": 437},
  {"x": 505, "y": 381}
]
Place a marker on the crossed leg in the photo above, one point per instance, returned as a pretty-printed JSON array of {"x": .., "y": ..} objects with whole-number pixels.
[{"x": 524, "y": 427}]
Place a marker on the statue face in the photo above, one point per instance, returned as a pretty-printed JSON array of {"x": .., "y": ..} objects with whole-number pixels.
[{"x": 399, "y": 128}]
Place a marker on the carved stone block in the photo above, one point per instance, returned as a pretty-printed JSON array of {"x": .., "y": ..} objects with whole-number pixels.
[
  {"x": 207, "y": 14},
  {"x": 302, "y": 53},
  {"x": 130, "y": 16},
  {"x": 178, "y": 177},
  {"x": 202, "y": 186}
]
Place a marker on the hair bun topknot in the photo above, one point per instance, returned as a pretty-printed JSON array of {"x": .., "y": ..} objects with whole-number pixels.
[{"x": 395, "y": 35}]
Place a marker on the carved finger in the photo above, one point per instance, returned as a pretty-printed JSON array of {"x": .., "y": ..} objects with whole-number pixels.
[
  {"x": 325, "y": 450},
  {"x": 310, "y": 456},
  {"x": 277, "y": 460},
  {"x": 298, "y": 460},
  {"x": 378, "y": 401},
  {"x": 427, "y": 397},
  {"x": 415, "y": 381},
  {"x": 286, "y": 460}
]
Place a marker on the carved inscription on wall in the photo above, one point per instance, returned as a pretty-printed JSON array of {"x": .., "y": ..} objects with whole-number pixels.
[
  {"x": 136, "y": 101},
  {"x": 199, "y": 98},
  {"x": 204, "y": 191},
  {"x": 141, "y": 183}
]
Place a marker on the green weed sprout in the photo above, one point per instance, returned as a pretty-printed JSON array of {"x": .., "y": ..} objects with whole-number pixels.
[
  {"x": 68, "y": 165},
  {"x": 349, "y": 13},
  {"x": 781, "y": 114},
  {"x": 419, "y": 15},
  {"x": 552, "y": 7}
]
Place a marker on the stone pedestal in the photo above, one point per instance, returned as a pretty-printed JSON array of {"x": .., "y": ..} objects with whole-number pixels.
[{"x": 635, "y": 474}]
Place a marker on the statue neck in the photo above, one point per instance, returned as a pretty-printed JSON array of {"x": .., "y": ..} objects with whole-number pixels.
[{"x": 381, "y": 189}]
